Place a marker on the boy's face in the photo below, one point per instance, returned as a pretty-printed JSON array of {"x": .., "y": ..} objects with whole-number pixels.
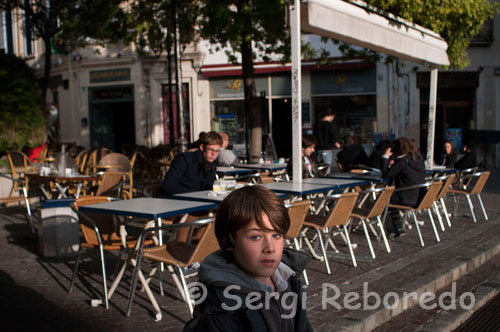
[
  {"x": 258, "y": 252},
  {"x": 210, "y": 152},
  {"x": 308, "y": 151}
]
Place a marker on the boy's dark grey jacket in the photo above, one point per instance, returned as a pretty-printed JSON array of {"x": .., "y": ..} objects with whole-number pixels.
[{"x": 219, "y": 271}]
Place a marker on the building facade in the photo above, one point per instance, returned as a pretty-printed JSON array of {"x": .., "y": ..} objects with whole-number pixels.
[{"x": 111, "y": 96}]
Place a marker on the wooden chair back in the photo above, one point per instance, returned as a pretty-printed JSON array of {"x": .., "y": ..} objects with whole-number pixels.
[
  {"x": 297, "y": 212},
  {"x": 446, "y": 186},
  {"x": 480, "y": 183},
  {"x": 206, "y": 245},
  {"x": 430, "y": 196},
  {"x": 341, "y": 212},
  {"x": 19, "y": 163},
  {"x": 110, "y": 184},
  {"x": 380, "y": 204},
  {"x": 81, "y": 160},
  {"x": 104, "y": 222}
]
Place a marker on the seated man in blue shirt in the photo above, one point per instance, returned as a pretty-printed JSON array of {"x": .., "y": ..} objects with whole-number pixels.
[{"x": 193, "y": 171}]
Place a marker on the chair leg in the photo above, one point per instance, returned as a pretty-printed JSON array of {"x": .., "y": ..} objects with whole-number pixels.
[
  {"x": 436, "y": 211},
  {"x": 75, "y": 269},
  {"x": 346, "y": 233},
  {"x": 445, "y": 210},
  {"x": 471, "y": 208},
  {"x": 418, "y": 228},
  {"x": 186, "y": 290},
  {"x": 304, "y": 273},
  {"x": 382, "y": 232},
  {"x": 323, "y": 250},
  {"x": 482, "y": 206},
  {"x": 433, "y": 225},
  {"x": 367, "y": 235},
  {"x": 28, "y": 209},
  {"x": 104, "y": 282}
]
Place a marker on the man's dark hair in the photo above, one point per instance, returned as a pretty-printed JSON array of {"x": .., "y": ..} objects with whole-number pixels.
[
  {"x": 308, "y": 140},
  {"x": 349, "y": 139},
  {"x": 247, "y": 204},
  {"x": 471, "y": 144},
  {"x": 211, "y": 138},
  {"x": 328, "y": 111}
]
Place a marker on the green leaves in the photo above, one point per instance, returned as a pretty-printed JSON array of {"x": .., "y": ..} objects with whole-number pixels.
[{"x": 22, "y": 109}]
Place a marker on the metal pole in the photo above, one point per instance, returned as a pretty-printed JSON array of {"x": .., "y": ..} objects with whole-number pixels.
[
  {"x": 178, "y": 82},
  {"x": 296, "y": 92},
  {"x": 432, "y": 117}
]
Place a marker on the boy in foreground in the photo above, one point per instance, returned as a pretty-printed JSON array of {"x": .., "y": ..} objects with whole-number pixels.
[{"x": 252, "y": 282}]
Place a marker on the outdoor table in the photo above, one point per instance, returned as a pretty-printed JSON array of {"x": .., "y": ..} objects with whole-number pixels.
[
  {"x": 295, "y": 190},
  {"x": 61, "y": 182},
  {"x": 152, "y": 209},
  {"x": 208, "y": 196},
  {"x": 439, "y": 170},
  {"x": 264, "y": 167},
  {"x": 372, "y": 177},
  {"x": 233, "y": 171}
]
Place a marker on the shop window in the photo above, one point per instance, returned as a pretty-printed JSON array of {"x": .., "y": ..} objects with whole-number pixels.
[
  {"x": 355, "y": 115},
  {"x": 228, "y": 116}
]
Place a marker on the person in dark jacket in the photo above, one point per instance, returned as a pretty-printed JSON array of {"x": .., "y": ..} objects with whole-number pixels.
[
  {"x": 252, "y": 266},
  {"x": 468, "y": 160},
  {"x": 406, "y": 169},
  {"x": 449, "y": 156},
  {"x": 352, "y": 154},
  {"x": 325, "y": 134},
  {"x": 309, "y": 168},
  {"x": 376, "y": 158},
  {"x": 193, "y": 171}
]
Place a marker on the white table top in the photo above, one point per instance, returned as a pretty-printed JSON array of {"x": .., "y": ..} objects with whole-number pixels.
[
  {"x": 339, "y": 183},
  {"x": 295, "y": 188},
  {"x": 233, "y": 170},
  {"x": 264, "y": 167},
  {"x": 146, "y": 207},
  {"x": 208, "y": 196},
  {"x": 373, "y": 177}
]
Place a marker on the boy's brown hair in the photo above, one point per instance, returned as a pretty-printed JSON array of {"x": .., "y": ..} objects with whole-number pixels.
[
  {"x": 211, "y": 138},
  {"x": 245, "y": 205}
]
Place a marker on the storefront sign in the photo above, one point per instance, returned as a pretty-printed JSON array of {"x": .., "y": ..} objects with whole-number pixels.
[
  {"x": 343, "y": 82},
  {"x": 233, "y": 87},
  {"x": 113, "y": 75}
]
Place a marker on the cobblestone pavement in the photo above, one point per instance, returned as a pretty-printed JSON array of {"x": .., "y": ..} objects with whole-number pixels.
[{"x": 34, "y": 290}]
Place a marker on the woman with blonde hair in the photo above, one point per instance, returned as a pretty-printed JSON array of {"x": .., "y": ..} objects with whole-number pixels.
[{"x": 403, "y": 165}]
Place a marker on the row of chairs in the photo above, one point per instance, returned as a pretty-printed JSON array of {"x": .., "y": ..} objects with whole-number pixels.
[
  {"x": 347, "y": 210},
  {"x": 185, "y": 250}
]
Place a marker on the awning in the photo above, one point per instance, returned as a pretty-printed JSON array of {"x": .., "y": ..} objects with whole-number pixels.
[
  {"x": 358, "y": 24},
  {"x": 364, "y": 27}
]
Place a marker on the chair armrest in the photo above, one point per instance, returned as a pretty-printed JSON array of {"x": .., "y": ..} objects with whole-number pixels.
[{"x": 416, "y": 186}]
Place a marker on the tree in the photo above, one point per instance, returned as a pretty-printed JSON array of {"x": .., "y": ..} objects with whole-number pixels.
[
  {"x": 247, "y": 27},
  {"x": 151, "y": 27},
  {"x": 456, "y": 21},
  {"x": 22, "y": 110},
  {"x": 72, "y": 20}
]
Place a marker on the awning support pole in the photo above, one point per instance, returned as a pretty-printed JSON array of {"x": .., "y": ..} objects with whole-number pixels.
[
  {"x": 432, "y": 117},
  {"x": 296, "y": 92}
]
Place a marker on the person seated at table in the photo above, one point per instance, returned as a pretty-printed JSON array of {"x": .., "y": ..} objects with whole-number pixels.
[
  {"x": 251, "y": 265},
  {"x": 468, "y": 160},
  {"x": 376, "y": 158},
  {"x": 193, "y": 171},
  {"x": 196, "y": 144},
  {"x": 226, "y": 157},
  {"x": 352, "y": 153},
  {"x": 406, "y": 168},
  {"x": 449, "y": 156},
  {"x": 309, "y": 168}
]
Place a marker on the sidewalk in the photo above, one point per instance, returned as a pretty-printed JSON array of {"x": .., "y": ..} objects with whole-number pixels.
[{"x": 34, "y": 289}]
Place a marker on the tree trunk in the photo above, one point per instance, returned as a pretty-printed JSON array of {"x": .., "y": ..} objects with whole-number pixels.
[
  {"x": 44, "y": 84},
  {"x": 251, "y": 102}
]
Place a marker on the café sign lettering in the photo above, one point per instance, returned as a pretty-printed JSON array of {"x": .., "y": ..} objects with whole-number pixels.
[{"x": 113, "y": 75}]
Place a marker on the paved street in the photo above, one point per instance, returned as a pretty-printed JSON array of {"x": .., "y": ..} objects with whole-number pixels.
[{"x": 34, "y": 290}]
